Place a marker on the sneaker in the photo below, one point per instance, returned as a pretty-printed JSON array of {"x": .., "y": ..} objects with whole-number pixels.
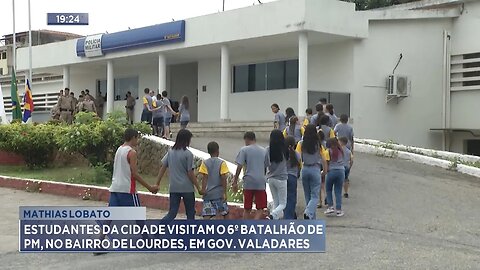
[
  {"x": 340, "y": 213},
  {"x": 305, "y": 216},
  {"x": 329, "y": 211},
  {"x": 345, "y": 195},
  {"x": 99, "y": 251}
]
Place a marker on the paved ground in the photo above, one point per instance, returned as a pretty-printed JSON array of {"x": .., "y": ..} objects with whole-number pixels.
[{"x": 400, "y": 215}]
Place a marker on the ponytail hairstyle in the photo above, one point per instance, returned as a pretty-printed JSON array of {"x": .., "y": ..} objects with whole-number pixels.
[
  {"x": 289, "y": 112},
  {"x": 277, "y": 146},
  {"x": 292, "y": 124},
  {"x": 185, "y": 102},
  {"x": 310, "y": 143},
  {"x": 290, "y": 146},
  {"x": 321, "y": 135},
  {"x": 183, "y": 139},
  {"x": 335, "y": 149},
  {"x": 320, "y": 114}
]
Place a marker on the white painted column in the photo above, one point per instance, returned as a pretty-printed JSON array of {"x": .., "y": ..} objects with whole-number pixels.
[
  {"x": 162, "y": 73},
  {"x": 302, "y": 73},
  {"x": 110, "y": 86},
  {"x": 66, "y": 77},
  {"x": 225, "y": 83}
]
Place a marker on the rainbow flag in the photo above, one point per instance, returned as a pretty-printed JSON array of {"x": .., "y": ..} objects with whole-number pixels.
[
  {"x": 27, "y": 102},
  {"x": 16, "y": 107}
]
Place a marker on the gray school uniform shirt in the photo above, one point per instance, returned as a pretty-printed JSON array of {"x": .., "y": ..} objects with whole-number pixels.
[
  {"x": 214, "y": 190},
  {"x": 276, "y": 170},
  {"x": 166, "y": 102},
  {"x": 313, "y": 119},
  {"x": 347, "y": 155},
  {"x": 314, "y": 159},
  {"x": 160, "y": 112},
  {"x": 297, "y": 132},
  {"x": 179, "y": 163},
  {"x": 338, "y": 163},
  {"x": 280, "y": 119},
  {"x": 344, "y": 130},
  {"x": 333, "y": 120},
  {"x": 148, "y": 105},
  {"x": 253, "y": 157},
  {"x": 184, "y": 113},
  {"x": 293, "y": 170}
]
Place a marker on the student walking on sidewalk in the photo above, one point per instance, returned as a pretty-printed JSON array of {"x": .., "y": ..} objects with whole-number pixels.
[
  {"x": 276, "y": 154},
  {"x": 313, "y": 160}
]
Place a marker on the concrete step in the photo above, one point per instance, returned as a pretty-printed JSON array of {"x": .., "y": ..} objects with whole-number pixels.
[{"x": 227, "y": 129}]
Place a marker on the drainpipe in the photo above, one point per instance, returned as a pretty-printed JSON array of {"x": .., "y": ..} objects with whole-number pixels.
[{"x": 446, "y": 91}]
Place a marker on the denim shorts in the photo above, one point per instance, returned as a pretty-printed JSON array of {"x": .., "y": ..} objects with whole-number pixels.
[
  {"x": 168, "y": 120},
  {"x": 214, "y": 207}
]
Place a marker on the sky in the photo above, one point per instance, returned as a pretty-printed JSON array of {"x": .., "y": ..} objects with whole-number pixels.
[{"x": 109, "y": 15}]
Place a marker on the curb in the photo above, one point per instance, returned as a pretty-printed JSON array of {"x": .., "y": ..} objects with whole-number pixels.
[
  {"x": 87, "y": 192},
  {"x": 437, "y": 162}
]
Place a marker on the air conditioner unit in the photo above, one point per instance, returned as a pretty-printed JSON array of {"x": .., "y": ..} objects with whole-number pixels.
[{"x": 397, "y": 86}]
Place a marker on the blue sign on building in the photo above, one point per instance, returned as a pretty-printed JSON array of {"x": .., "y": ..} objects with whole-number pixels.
[
  {"x": 67, "y": 18},
  {"x": 171, "y": 32}
]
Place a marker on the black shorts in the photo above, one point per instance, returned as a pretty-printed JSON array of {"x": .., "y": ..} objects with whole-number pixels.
[
  {"x": 146, "y": 116},
  {"x": 158, "y": 121}
]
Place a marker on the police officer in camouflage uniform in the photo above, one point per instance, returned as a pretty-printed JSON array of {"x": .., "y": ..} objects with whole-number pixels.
[{"x": 67, "y": 106}]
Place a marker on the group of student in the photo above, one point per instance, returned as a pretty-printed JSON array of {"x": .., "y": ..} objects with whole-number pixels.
[
  {"x": 335, "y": 142},
  {"x": 317, "y": 151},
  {"x": 158, "y": 112}
]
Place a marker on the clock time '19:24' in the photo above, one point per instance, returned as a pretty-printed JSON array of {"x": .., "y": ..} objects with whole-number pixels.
[{"x": 67, "y": 18}]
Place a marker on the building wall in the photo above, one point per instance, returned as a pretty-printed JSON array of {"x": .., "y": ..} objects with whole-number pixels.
[
  {"x": 464, "y": 104},
  {"x": 409, "y": 121}
]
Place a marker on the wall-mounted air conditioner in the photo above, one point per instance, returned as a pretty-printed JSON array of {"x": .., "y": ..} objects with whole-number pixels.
[{"x": 397, "y": 86}]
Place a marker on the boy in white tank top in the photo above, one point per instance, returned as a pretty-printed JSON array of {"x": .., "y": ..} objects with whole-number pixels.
[{"x": 123, "y": 191}]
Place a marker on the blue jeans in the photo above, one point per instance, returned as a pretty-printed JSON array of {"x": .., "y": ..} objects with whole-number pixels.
[
  {"x": 334, "y": 182},
  {"x": 289, "y": 211},
  {"x": 311, "y": 188},
  {"x": 188, "y": 201}
]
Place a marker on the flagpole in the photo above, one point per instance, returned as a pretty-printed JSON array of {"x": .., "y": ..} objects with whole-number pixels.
[
  {"x": 29, "y": 45},
  {"x": 14, "y": 64}
]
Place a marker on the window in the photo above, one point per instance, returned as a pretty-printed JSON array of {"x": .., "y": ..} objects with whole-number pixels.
[
  {"x": 1, "y": 71},
  {"x": 120, "y": 87},
  {"x": 265, "y": 76},
  {"x": 4, "y": 55}
]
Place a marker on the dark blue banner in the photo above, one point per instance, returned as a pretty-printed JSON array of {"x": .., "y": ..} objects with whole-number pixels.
[
  {"x": 165, "y": 33},
  {"x": 175, "y": 236}
]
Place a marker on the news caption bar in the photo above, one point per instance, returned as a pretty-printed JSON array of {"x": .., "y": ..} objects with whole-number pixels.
[{"x": 81, "y": 230}]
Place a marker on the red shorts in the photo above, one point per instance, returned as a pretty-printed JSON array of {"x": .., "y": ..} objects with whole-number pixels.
[{"x": 260, "y": 197}]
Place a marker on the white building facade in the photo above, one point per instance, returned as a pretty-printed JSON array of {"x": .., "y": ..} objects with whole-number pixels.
[{"x": 233, "y": 65}]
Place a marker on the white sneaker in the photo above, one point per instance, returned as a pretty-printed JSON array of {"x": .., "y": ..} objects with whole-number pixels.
[
  {"x": 340, "y": 213},
  {"x": 329, "y": 211}
]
